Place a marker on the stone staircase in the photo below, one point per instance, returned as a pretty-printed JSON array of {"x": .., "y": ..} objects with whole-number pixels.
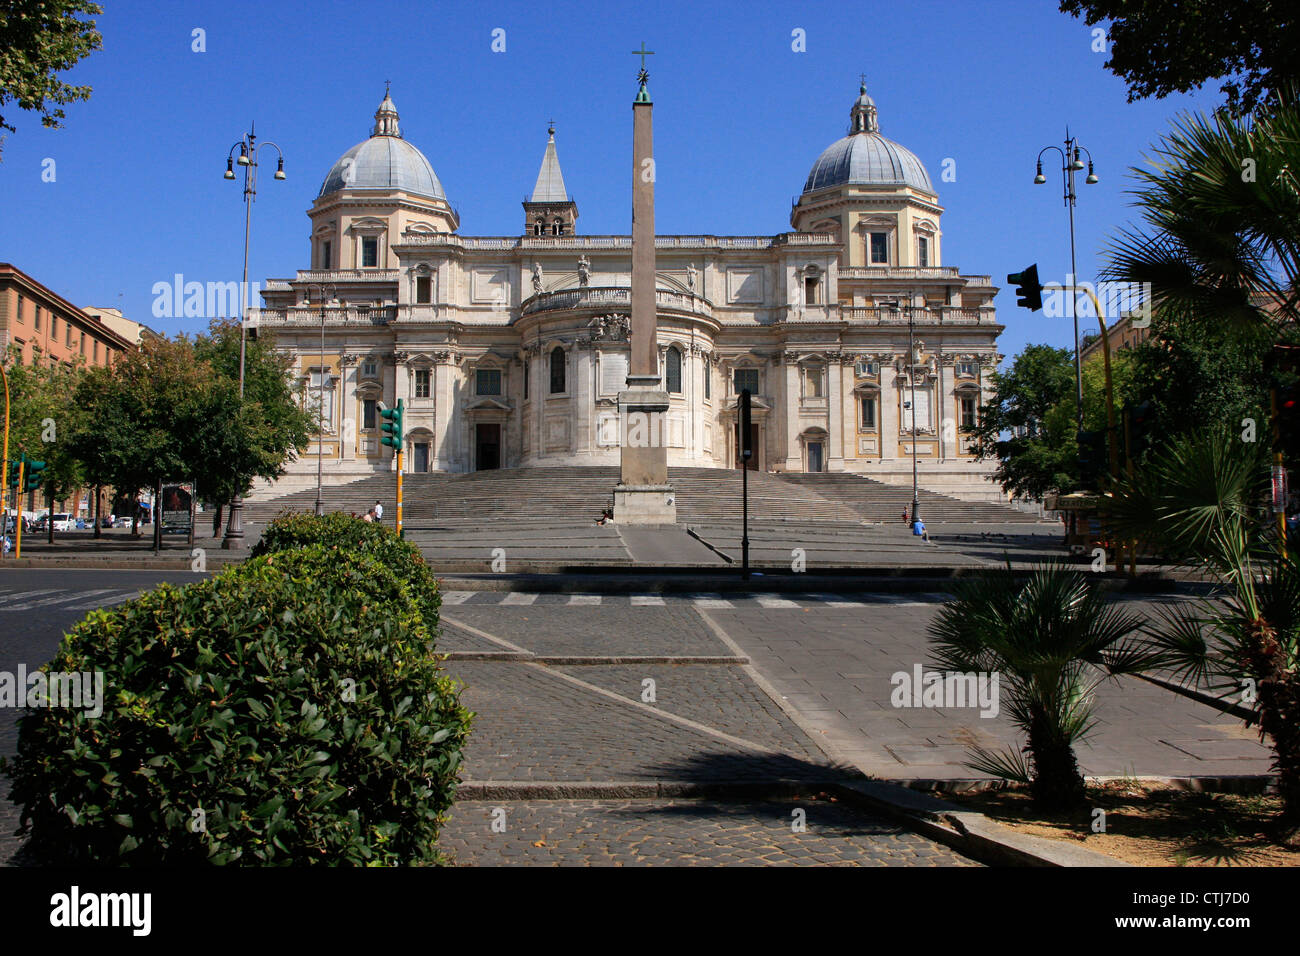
[
  {"x": 879, "y": 501},
  {"x": 577, "y": 494}
]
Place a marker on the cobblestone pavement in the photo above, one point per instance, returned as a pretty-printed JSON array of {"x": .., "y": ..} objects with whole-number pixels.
[
  {"x": 681, "y": 833},
  {"x": 828, "y": 657}
]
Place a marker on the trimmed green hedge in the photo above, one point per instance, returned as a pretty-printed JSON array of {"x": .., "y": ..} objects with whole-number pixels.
[
  {"x": 291, "y": 531},
  {"x": 295, "y": 701}
]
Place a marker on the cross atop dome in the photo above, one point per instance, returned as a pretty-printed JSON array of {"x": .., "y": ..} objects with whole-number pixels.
[{"x": 386, "y": 117}]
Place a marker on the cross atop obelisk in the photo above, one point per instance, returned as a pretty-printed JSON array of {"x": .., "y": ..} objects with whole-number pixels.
[
  {"x": 643, "y": 95},
  {"x": 643, "y": 494}
]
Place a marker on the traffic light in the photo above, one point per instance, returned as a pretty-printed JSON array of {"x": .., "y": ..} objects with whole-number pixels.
[
  {"x": 392, "y": 425},
  {"x": 1092, "y": 458},
  {"x": 10, "y": 474},
  {"x": 1141, "y": 430},
  {"x": 33, "y": 477},
  {"x": 1029, "y": 291},
  {"x": 1285, "y": 361}
]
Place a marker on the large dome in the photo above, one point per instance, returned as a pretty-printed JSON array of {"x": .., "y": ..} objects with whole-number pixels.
[
  {"x": 384, "y": 161},
  {"x": 864, "y": 157}
]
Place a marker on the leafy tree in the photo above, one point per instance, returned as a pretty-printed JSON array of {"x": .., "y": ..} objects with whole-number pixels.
[
  {"x": 1173, "y": 46},
  {"x": 275, "y": 426},
  {"x": 171, "y": 411},
  {"x": 1195, "y": 372},
  {"x": 1052, "y": 639},
  {"x": 42, "y": 420},
  {"x": 39, "y": 39},
  {"x": 1029, "y": 424}
]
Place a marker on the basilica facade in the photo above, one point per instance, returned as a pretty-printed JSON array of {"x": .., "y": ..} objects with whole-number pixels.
[{"x": 511, "y": 350}]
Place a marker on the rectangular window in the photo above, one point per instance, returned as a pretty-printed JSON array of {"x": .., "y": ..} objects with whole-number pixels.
[
  {"x": 368, "y": 412},
  {"x": 326, "y": 248},
  {"x": 67, "y": 338},
  {"x": 868, "y": 414},
  {"x": 813, "y": 383},
  {"x": 528, "y": 365},
  {"x": 966, "y": 369},
  {"x": 967, "y": 414},
  {"x": 746, "y": 378},
  {"x": 421, "y": 383},
  {"x": 83, "y": 343},
  {"x": 20, "y": 308},
  {"x": 369, "y": 369},
  {"x": 37, "y": 320},
  {"x": 96, "y": 349},
  {"x": 708, "y": 380},
  {"x": 369, "y": 252},
  {"x": 922, "y": 251},
  {"x": 811, "y": 289},
  {"x": 423, "y": 289},
  {"x": 488, "y": 381},
  {"x": 868, "y": 369},
  {"x": 880, "y": 248}
]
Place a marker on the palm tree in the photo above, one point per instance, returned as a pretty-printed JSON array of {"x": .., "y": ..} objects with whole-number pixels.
[
  {"x": 1052, "y": 639},
  {"x": 1221, "y": 211},
  {"x": 1195, "y": 496}
]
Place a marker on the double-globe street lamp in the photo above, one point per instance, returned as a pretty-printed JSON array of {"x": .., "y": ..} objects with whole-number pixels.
[
  {"x": 326, "y": 295},
  {"x": 247, "y": 158},
  {"x": 1071, "y": 163}
]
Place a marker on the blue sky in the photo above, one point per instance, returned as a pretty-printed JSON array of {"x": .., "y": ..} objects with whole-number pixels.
[{"x": 739, "y": 120}]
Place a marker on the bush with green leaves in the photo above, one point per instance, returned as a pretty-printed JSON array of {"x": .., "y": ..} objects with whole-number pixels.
[
  {"x": 346, "y": 533},
  {"x": 290, "y": 710}
]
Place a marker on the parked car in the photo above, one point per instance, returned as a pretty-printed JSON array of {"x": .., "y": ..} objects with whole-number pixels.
[
  {"x": 62, "y": 522},
  {"x": 121, "y": 522},
  {"x": 106, "y": 521}
]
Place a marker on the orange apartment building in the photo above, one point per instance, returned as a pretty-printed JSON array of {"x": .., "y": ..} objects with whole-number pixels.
[{"x": 44, "y": 327}]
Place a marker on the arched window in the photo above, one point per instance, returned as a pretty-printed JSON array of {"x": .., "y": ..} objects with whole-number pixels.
[
  {"x": 673, "y": 371},
  {"x": 557, "y": 228},
  {"x": 537, "y": 227},
  {"x": 557, "y": 370}
]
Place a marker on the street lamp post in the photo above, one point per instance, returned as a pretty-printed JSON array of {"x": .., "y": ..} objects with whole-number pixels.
[
  {"x": 248, "y": 147},
  {"x": 911, "y": 379},
  {"x": 1071, "y": 163},
  {"x": 327, "y": 292}
]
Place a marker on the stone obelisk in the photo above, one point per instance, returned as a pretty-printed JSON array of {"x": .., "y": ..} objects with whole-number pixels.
[{"x": 643, "y": 495}]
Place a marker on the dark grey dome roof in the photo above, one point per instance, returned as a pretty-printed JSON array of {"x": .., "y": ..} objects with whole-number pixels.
[
  {"x": 864, "y": 157},
  {"x": 384, "y": 161}
]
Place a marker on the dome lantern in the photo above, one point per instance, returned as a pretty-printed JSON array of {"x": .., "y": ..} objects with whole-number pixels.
[
  {"x": 386, "y": 118},
  {"x": 862, "y": 118}
]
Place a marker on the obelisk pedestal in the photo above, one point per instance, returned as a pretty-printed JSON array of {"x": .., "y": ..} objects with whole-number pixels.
[{"x": 643, "y": 494}]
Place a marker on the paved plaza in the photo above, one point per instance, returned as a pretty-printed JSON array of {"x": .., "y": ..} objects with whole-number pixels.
[{"x": 737, "y": 709}]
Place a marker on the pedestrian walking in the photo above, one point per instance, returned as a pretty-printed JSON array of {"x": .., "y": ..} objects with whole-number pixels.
[
  {"x": 905, "y": 521},
  {"x": 369, "y": 516},
  {"x": 378, "y": 509}
]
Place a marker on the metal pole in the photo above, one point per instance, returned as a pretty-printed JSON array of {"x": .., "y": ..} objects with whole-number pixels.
[
  {"x": 744, "y": 520},
  {"x": 4, "y": 467},
  {"x": 320, "y": 416},
  {"x": 235, "y": 520},
  {"x": 911, "y": 377},
  {"x": 18, "y": 494},
  {"x": 1068, "y": 174}
]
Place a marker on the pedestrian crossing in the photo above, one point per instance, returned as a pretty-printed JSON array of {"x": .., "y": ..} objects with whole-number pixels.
[
  {"x": 797, "y": 601},
  {"x": 64, "y": 599}
]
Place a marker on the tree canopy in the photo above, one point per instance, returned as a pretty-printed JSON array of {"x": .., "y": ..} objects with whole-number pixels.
[
  {"x": 1159, "y": 47},
  {"x": 38, "y": 40}
]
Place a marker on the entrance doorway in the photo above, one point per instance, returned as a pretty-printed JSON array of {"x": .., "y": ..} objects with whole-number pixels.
[
  {"x": 814, "y": 456},
  {"x": 487, "y": 444},
  {"x": 753, "y": 443},
  {"x": 421, "y": 450}
]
